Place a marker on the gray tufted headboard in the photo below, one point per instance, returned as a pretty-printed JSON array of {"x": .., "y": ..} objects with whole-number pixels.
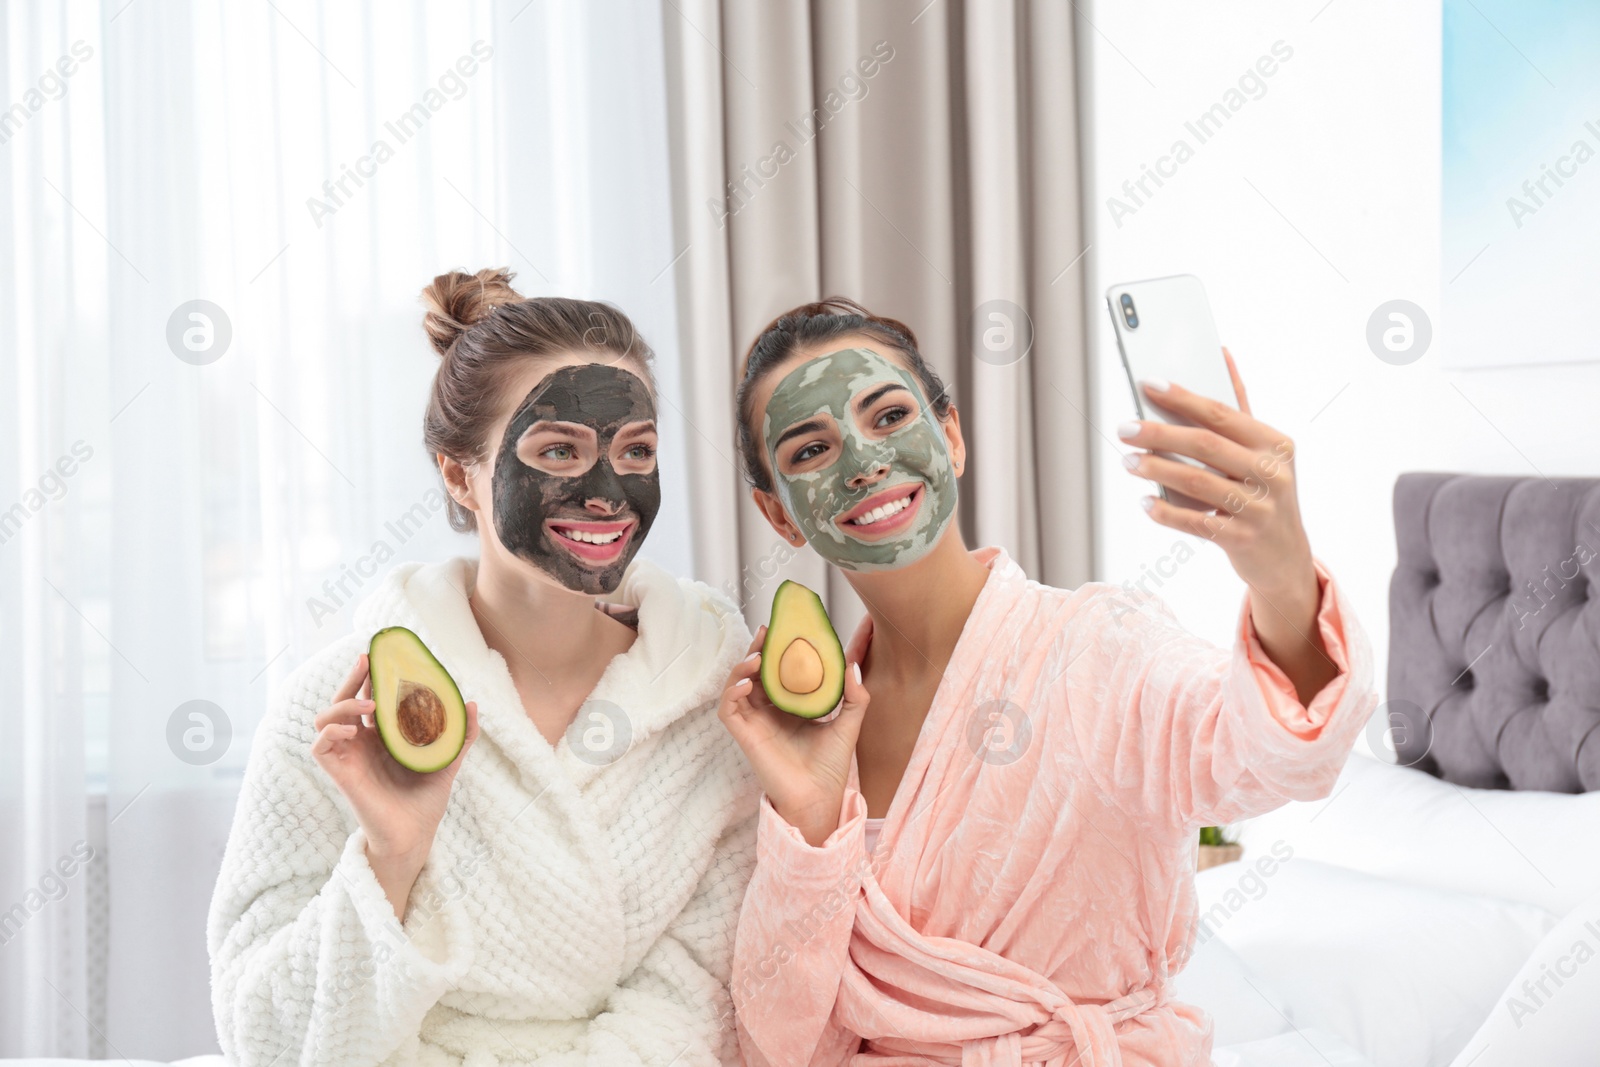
[{"x": 1494, "y": 636}]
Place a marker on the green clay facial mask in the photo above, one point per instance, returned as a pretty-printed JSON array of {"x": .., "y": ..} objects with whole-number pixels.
[{"x": 843, "y": 460}]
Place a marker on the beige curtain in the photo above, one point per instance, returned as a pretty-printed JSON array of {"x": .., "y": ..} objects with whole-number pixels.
[{"x": 921, "y": 158}]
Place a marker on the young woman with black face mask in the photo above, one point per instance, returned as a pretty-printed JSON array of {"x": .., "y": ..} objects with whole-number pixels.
[{"x": 564, "y": 891}]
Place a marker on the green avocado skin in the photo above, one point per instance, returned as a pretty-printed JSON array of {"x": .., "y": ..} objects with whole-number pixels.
[
  {"x": 397, "y": 746},
  {"x": 792, "y": 598}
]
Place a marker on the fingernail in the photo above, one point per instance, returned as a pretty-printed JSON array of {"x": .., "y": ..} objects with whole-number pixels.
[
  {"x": 1158, "y": 385},
  {"x": 369, "y": 703},
  {"x": 1148, "y": 502},
  {"x": 1131, "y": 460},
  {"x": 857, "y": 668},
  {"x": 1128, "y": 429}
]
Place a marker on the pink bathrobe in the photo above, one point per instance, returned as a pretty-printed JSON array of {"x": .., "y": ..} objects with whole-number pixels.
[{"x": 1032, "y": 892}]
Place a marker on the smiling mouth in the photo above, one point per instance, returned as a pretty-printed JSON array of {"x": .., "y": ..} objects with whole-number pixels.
[
  {"x": 882, "y": 514},
  {"x": 592, "y": 542}
]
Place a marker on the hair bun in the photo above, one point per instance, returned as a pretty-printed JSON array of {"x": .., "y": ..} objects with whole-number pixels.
[{"x": 457, "y": 300}]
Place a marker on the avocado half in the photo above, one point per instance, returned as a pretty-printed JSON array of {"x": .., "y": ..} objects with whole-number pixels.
[
  {"x": 420, "y": 715},
  {"x": 802, "y": 661}
]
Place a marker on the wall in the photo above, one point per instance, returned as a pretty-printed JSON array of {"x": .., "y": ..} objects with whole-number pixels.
[{"x": 1315, "y": 202}]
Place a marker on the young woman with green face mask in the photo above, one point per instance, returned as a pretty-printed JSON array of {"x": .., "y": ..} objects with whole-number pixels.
[{"x": 991, "y": 859}]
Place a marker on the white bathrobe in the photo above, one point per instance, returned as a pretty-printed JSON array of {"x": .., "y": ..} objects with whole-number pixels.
[{"x": 577, "y": 907}]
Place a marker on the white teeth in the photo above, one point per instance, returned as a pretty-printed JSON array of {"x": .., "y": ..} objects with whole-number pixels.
[
  {"x": 591, "y": 538},
  {"x": 878, "y": 514}
]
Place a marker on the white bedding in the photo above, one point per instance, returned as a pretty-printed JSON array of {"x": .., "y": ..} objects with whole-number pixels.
[
  {"x": 1401, "y": 915},
  {"x": 1308, "y": 1047},
  {"x": 1546, "y": 1014},
  {"x": 1407, "y": 825},
  {"x": 1403, "y": 973}
]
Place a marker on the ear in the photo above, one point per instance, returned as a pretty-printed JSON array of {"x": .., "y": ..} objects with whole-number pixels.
[
  {"x": 457, "y": 482},
  {"x": 953, "y": 440},
  {"x": 772, "y": 510}
]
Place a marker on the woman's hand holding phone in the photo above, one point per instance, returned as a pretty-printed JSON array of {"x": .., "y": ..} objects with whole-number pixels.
[
  {"x": 803, "y": 764},
  {"x": 1255, "y": 516}
]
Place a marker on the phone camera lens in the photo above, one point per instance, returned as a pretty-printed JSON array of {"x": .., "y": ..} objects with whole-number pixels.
[{"x": 1129, "y": 315}]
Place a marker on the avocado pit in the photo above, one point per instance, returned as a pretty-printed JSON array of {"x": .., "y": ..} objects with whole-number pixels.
[
  {"x": 419, "y": 713},
  {"x": 800, "y": 667}
]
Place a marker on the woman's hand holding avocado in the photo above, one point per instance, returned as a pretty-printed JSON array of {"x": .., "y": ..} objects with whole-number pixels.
[
  {"x": 398, "y": 809},
  {"x": 803, "y": 764}
]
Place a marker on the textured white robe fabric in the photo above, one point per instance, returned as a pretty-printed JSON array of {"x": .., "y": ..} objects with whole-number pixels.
[{"x": 572, "y": 910}]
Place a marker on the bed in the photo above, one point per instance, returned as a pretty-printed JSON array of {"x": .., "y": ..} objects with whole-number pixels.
[{"x": 1443, "y": 909}]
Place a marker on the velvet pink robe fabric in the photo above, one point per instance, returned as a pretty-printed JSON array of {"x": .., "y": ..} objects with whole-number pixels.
[{"x": 1032, "y": 893}]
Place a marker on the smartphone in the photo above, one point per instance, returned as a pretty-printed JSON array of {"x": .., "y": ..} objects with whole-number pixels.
[{"x": 1165, "y": 330}]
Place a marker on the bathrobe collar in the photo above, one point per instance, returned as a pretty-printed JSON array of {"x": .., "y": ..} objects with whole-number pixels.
[{"x": 984, "y": 624}]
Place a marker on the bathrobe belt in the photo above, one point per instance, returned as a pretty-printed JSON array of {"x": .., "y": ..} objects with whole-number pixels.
[{"x": 969, "y": 1007}]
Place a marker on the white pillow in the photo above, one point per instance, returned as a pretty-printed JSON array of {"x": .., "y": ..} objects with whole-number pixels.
[
  {"x": 1243, "y": 1006},
  {"x": 1402, "y": 973},
  {"x": 1402, "y": 823},
  {"x": 1547, "y": 1014}
]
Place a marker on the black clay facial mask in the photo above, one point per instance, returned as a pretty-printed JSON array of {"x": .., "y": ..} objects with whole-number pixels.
[{"x": 569, "y": 496}]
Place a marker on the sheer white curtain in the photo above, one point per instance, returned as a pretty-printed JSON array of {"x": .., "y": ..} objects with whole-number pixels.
[{"x": 203, "y": 490}]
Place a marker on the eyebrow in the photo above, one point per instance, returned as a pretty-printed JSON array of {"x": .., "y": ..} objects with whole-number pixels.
[
  {"x": 878, "y": 393},
  {"x": 574, "y": 430},
  {"x": 799, "y": 428},
  {"x": 638, "y": 426}
]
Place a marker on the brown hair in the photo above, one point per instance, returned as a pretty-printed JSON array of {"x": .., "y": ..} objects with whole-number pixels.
[
  {"x": 818, "y": 323},
  {"x": 485, "y": 330}
]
